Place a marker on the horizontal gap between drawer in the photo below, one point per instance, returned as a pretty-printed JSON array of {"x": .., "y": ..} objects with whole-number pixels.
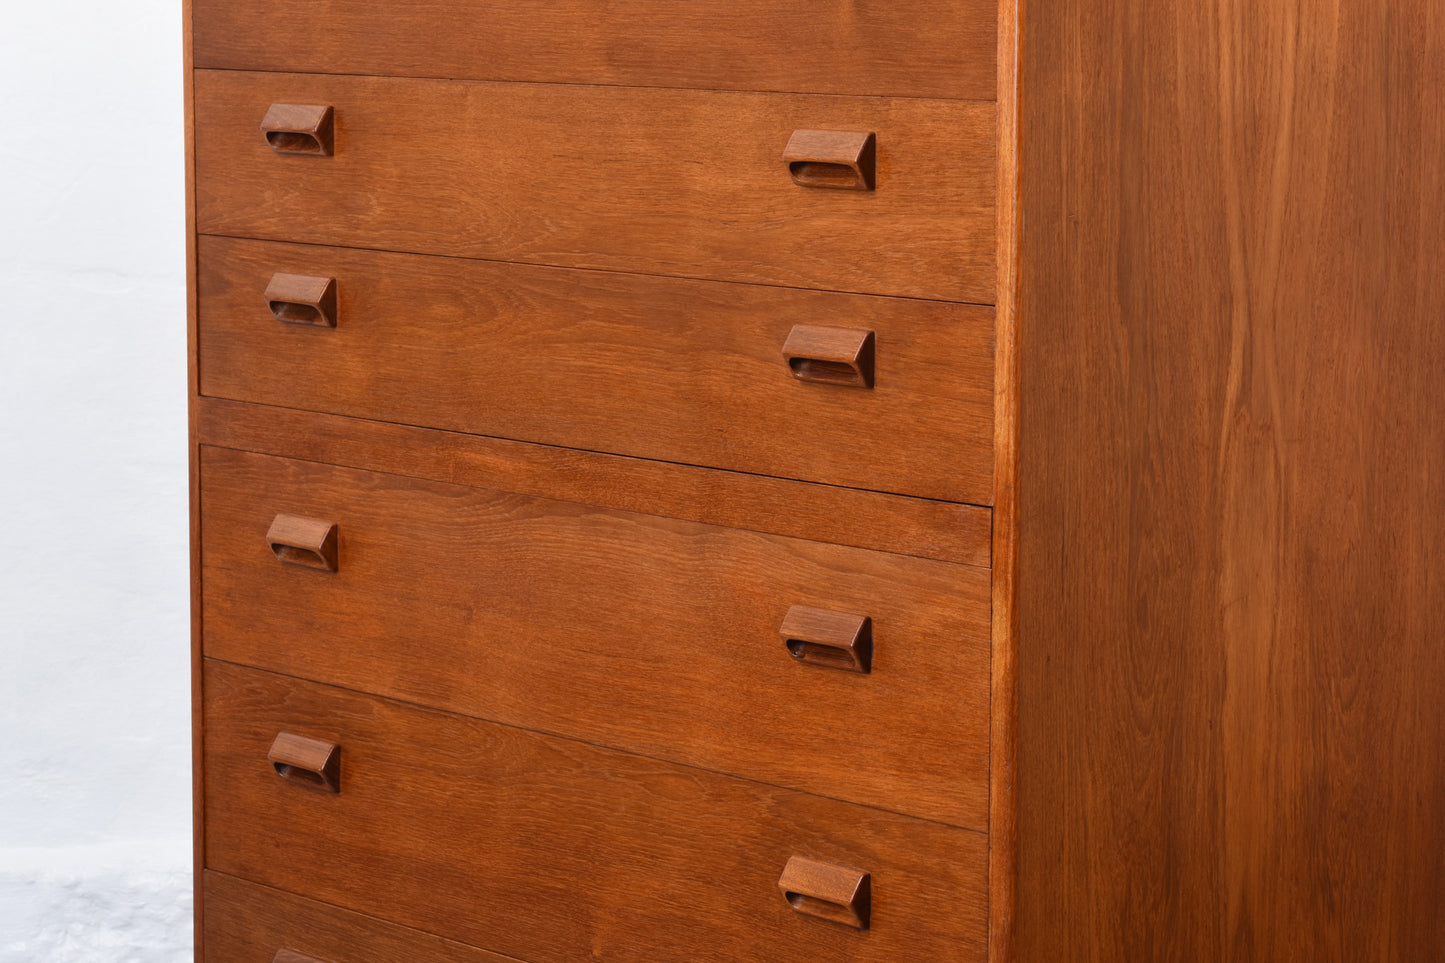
[
  {"x": 237, "y": 425},
  {"x": 538, "y": 83},
  {"x": 584, "y": 742},
  {"x": 569, "y": 267}
]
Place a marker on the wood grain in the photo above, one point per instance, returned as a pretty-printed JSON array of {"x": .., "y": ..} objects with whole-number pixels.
[
  {"x": 666, "y": 182},
  {"x": 535, "y": 847},
  {"x": 249, "y": 923},
  {"x": 526, "y": 611},
  {"x": 925, "y": 48},
  {"x": 1004, "y": 680},
  {"x": 684, "y": 371},
  {"x": 291, "y": 956},
  {"x": 890, "y": 523},
  {"x": 1232, "y": 741}
]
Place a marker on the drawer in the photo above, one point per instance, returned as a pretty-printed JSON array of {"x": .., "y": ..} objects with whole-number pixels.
[
  {"x": 924, "y": 48},
  {"x": 947, "y": 531},
  {"x": 650, "y": 634},
  {"x": 552, "y": 850},
  {"x": 684, "y": 371},
  {"x": 247, "y": 923},
  {"x": 643, "y": 180}
]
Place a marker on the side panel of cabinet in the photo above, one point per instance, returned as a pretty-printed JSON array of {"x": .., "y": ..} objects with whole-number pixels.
[{"x": 1231, "y": 737}]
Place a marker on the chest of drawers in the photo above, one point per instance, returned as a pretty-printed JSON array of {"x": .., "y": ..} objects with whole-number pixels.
[
  {"x": 752, "y": 482},
  {"x": 594, "y": 458}
]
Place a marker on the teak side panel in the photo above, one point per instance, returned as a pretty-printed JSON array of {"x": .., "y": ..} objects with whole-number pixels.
[
  {"x": 649, "y": 634},
  {"x": 945, "y": 531},
  {"x": 684, "y": 371},
  {"x": 642, "y": 180},
  {"x": 924, "y": 48},
  {"x": 1232, "y": 736},
  {"x": 548, "y": 850},
  {"x": 248, "y": 923}
]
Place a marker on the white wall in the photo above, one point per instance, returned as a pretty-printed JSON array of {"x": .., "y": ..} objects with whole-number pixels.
[{"x": 94, "y": 720}]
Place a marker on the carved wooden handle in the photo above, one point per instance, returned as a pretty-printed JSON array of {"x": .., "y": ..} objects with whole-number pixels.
[
  {"x": 832, "y": 892},
  {"x": 307, "y": 762},
  {"x": 830, "y": 356},
  {"x": 833, "y": 640},
  {"x": 291, "y": 956},
  {"x": 304, "y": 541},
  {"x": 841, "y": 159},
  {"x": 299, "y": 299},
  {"x": 300, "y": 129}
]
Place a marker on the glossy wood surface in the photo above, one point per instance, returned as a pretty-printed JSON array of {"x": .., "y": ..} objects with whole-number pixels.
[
  {"x": 291, "y": 956},
  {"x": 1232, "y": 738},
  {"x": 842, "y": 516},
  {"x": 684, "y": 371},
  {"x": 628, "y": 630},
  {"x": 650, "y": 181},
  {"x": 535, "y": 846},
  {"x": 249, "y": 923},
  {"x": 924, "y": 48}
]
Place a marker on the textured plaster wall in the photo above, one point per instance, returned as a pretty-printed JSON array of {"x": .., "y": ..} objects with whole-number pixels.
[{"x": 94, "y": 723}]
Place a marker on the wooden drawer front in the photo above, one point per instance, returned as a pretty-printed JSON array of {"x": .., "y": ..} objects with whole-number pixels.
[
  {"x": 247, "y": 923},
  {"x": 650, "y": 634},
  {"x": 685, "y": 371},
  {"x": 552, "y": 850},
  {"x": 924, "y": 48},
  {"x": 652, "y": 181}
]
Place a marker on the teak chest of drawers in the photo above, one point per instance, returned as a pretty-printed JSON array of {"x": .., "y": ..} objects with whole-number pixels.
[{"x": 679, "y": 482}]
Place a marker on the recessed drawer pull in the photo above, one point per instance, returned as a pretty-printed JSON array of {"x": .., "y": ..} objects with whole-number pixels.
[
  {"x": 304, "y": 541},
  {"x": 830, "y": 356},
  {"x": 291, "y": 956},
  {"x": 299, "y": 299},
  {"x": 833, "y": 640},
  {"x": 300, "y": 129},
  {"x": 832, "y": 892},
  {"x": 841, "y": 159},
  {"x": 307, "y": 762}
]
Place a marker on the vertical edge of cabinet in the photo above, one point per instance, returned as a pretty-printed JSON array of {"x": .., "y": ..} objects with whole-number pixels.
[
  {"x": 1003, "y": 696},
  {"x": 193, "y": 461}
]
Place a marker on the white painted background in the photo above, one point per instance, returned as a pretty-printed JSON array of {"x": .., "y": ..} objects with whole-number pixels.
[{"x": 94, "y": 721}]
